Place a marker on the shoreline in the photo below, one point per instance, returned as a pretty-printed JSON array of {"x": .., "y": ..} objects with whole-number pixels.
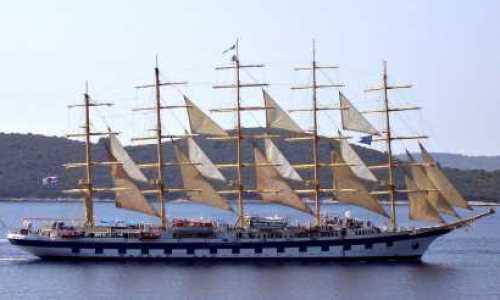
[{"x": 179, "y": 201}]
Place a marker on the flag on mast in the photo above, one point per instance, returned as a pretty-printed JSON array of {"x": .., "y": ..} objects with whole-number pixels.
[
  {"x": 368, "y": 139},
  {"x": 229, "y": 49}
]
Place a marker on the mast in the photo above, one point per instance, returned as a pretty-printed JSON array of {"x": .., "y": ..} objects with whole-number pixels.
[
  {"x": 388, "y": 138},
  {"x": 388, "y": 141},
  {"x": 159, "y": 182},
  {"x": 89, "y": 205},
  {"x": 159, "y": 150},
  {"x": 86, "y": 185},
  {"x": 315, "y": 139},
  {"x": 239, "y": 186},
  {"x": 315, "y": 144},
  {"x": 237, "y": 109}
]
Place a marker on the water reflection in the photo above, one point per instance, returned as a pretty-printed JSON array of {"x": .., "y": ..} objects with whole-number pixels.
[{"x": 459, "y": 265}]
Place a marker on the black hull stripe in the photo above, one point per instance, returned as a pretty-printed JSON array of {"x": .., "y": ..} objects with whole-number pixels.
[
  {"x": 221, "y": 245},
  {"x": 410, "y": 258}
]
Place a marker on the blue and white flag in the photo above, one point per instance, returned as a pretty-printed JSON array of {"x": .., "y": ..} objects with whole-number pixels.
[{"x": 366, "y": 139}]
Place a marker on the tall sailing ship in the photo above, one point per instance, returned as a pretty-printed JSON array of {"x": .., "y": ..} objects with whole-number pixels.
[{"x": 428, "y": 190}]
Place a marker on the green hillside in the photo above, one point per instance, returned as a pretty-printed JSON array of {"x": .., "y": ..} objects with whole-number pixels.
[{"x": 25, "y": 159}]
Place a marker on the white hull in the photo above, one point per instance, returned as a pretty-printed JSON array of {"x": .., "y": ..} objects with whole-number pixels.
[
  {"x": 406, "y": 248},
  {"x": 352, "y": 246}
]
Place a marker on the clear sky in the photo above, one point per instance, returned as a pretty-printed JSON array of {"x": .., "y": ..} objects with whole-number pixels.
[{"x": 449, "y": 50}]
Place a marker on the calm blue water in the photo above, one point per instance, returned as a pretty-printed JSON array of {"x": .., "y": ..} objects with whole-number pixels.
[{"x": 462, "y": 265}]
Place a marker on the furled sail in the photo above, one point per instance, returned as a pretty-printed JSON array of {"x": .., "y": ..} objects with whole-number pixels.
[
  {"x": 128, "y": 195},
  {"x": 200, "y": 122},
  {"x": 276, "y": 117},
  {"x": 420, "y": 208},
  {"x": 121, "y": 155},
  {"x": 202, "y": 162},
  {"x": 441, "y": 182},
  {"x": 422, "y": 182},
  {"x": 274, "y": 156},
  {"x": 345, "y": 179},
  {"x": 352, "y": 119},
  {"x": 192, "y": 179},
  {"x": 278, "y": 191},
  {"x": 357, "y": 166}
]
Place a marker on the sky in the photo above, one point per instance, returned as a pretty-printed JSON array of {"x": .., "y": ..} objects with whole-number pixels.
[{"x": 449, "y": 51}]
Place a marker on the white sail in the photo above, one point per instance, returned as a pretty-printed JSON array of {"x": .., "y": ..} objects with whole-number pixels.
[
  {"x": 200, "y": 122},
  {"x": 202, "y": 190},
  {"x": 272, "y": 186},
  {"x": 423, "y": 182},
  {"x": 420, "y": 208},
  {"x": 357, "y": 166},
  {"x": 120, "y": 154},
  {"x": 202, "y": 162},
  {"x": 124, "y": 175},
  {"x": 276, "y": 117},
  {"x": 352, "y": 119},
  {"x": 128, "y": 196},
  {"x": 440, "y": 181},
  {"x": 274, "y": 155},
  {"x": 350, "y": 190}
]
